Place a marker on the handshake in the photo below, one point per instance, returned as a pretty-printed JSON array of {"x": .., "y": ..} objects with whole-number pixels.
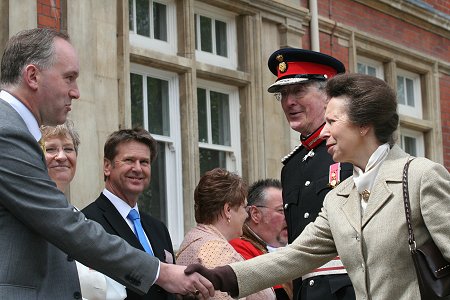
[{"x": 223, "y": 278}]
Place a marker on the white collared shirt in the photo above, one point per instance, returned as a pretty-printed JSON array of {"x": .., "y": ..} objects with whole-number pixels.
[{"x": 24, "y": 113}]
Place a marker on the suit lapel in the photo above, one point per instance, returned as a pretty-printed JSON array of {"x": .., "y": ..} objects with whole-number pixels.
[
  {"x": 150, "y": 232},
  {"x": 351, "y": 207},
  {"x": 388, "y": 173},
  {"x": 117, "y": 223},
  {"x": 377, "y": 199}
]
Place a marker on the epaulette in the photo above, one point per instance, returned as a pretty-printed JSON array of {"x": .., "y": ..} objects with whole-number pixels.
[{"x": 285, "y": 159}]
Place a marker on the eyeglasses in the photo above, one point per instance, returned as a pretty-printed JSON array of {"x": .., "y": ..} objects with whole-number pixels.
[
  {"x": 296, "y": 91},
  {"x": 277, "y": 210}
]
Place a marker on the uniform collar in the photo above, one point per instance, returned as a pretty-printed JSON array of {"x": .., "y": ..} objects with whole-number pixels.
[{"x": 313, "y": 140}]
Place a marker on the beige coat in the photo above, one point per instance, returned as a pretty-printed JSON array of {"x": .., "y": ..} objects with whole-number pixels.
[{"x": 374, "y": 248}]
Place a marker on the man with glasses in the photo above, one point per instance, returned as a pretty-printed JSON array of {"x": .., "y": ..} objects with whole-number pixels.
[
  {"x": 309, "y": 172},
  {"x": 265, "y": 229}
]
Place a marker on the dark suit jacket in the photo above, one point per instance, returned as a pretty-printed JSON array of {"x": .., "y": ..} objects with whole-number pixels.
[
  {"x": 104, "y": 212},
  {"x": 38, "y": 227}
]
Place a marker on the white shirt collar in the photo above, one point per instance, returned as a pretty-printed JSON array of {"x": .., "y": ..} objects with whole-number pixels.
[
  {"x": 24, "y": 112},
  {"x": 122, "y": 207}
]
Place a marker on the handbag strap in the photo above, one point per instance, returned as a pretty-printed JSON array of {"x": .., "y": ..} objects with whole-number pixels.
[{"x": 411, "y": 239}]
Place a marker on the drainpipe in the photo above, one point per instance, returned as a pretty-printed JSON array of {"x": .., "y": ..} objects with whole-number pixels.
[{"x": 314, "y": 26}]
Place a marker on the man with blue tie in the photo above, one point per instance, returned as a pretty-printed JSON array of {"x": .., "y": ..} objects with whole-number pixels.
[{"x": 128, "y": 155}]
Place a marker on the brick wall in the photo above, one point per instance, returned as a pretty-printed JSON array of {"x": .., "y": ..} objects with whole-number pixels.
[
  {"x": 49, "y": 13},
  {"x": 377, "y": 23},
  {"x": 444, "y": 86}
]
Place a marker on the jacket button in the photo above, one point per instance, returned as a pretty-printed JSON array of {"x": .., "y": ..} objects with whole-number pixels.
[
  {"x": 77, "y": 295},
  {"x": 306, "y": 215},
  {"x": 311, "y": 282},
  {"x": 307, "y": 183}
]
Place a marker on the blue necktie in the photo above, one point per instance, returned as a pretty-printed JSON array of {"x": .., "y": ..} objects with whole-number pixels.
[{"x": 133, "y": 215}]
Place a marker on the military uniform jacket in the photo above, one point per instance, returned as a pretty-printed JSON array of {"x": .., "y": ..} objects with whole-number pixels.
[{"x": 305, "y": 184}]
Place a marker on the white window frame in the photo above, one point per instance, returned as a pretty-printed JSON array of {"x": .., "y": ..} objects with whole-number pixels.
[
  {"x": 419, "y": 138},
  {"x": 377, "y": 65},
  {"x": 233, "y": 160},
  {"x": 404, "y": 109},
  {"x": 174, "y": 184},
  {"x": 169, "y": 47},
  {"x": 228, "y": 18}
]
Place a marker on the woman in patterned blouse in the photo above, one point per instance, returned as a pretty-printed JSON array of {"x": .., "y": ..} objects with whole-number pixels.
[{"x": 220, "y": 211}]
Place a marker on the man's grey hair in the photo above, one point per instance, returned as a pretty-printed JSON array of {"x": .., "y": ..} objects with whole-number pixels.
[{"x": 28, "y": 47}]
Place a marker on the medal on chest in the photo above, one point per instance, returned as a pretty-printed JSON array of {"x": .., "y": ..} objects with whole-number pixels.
[{"x": 334, "y": 177}]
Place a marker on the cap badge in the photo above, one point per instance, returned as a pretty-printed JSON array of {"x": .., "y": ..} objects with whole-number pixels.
[{"x": 282, "y": 66}]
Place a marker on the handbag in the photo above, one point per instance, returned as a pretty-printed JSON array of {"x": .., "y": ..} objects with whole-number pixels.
[{"x": 433, "y": 271}]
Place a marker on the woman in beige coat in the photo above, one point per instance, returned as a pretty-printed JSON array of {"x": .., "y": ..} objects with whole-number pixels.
[{"x": 363, "y": 218}]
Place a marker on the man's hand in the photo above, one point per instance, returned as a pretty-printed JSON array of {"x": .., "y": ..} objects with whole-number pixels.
[
  {"x": 223, "y": 278},
  {"x": 173, "y": 279}
]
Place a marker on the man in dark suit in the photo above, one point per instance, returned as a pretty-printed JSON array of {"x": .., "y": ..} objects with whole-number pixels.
[
  {"x": 39, "y": 69},
  {"x": 309, "y": 172},
  {"x": 127, "y": 165}
]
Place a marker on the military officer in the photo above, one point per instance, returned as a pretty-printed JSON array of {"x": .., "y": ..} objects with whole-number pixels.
[{"x": 309, "y": 172}]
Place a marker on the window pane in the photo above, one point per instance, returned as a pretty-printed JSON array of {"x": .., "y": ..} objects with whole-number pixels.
[
  {"x": 221, "y": 38},
  {"x": 130, "y": 15},
  {"x": 205, "y": 34},
  {"x": 210, "y": 159},
  {"x": 143, "y": 17},
  {"x": 195, "y": 30},
  {"x": 160, "y": 21},
  {"x": 371, "y": 71},
  {"x": 400, "y": 90},
  {"x": 410, "y": 145},
  {"x": 220, "y": 119},
  {"x": 202, "y": 116},
  {"x": 137, "y": 97},
  {"x": 410, "y": 92},
  {"x": 153, "y": 199},
  {"x": 361, "y": 68},
  {"x": 158, "y": 106}
]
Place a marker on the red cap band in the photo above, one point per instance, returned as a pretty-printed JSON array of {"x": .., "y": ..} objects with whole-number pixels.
[{"x": 299, "y": 68}]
